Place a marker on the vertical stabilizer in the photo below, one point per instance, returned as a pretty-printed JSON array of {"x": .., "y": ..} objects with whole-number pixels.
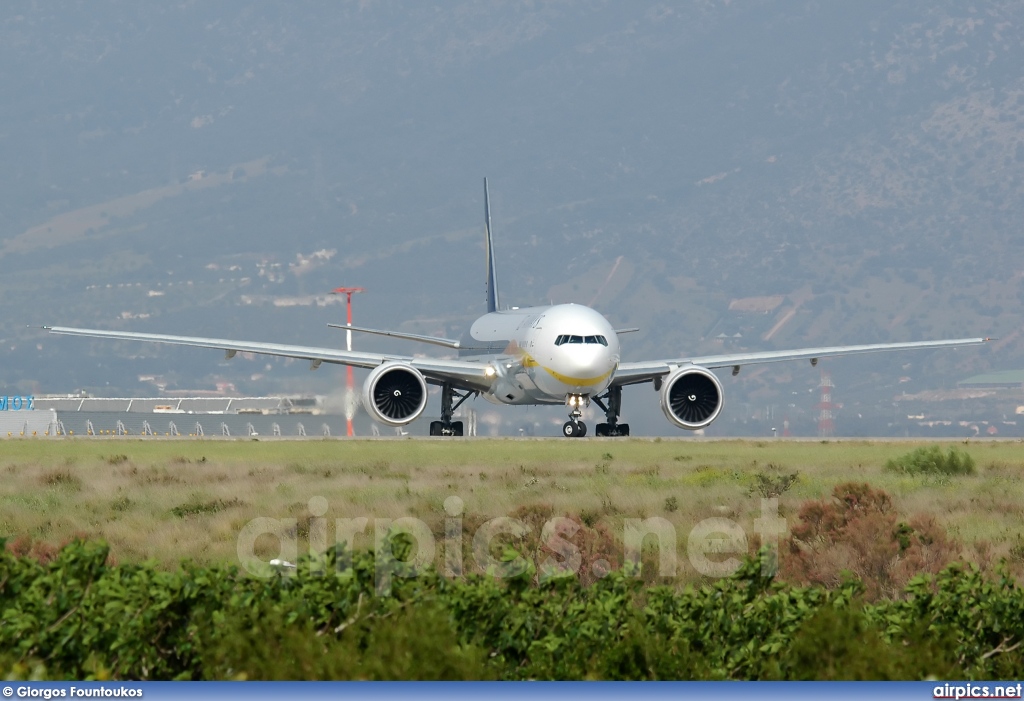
[{"x": 492, "y": 281}]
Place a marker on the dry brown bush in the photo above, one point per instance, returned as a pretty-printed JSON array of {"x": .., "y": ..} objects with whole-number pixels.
[
  {"x": 44, "y": 552},
  {"x": 858, "y": 532},
  {"x": 599, "y": 552}
]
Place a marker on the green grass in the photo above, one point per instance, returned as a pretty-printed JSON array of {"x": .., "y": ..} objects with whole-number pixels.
[{"x": 176, "y": 499}]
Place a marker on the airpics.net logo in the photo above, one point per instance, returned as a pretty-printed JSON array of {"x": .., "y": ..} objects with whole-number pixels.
[
  {"x": 977, "y": 691},
  {"x": 714, "y": 546}
]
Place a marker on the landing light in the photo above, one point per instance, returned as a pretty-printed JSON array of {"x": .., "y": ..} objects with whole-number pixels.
[{"x": 489, "y": 371}]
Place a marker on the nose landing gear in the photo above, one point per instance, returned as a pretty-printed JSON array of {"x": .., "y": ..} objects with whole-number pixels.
[{"x": 574, "y": 428}]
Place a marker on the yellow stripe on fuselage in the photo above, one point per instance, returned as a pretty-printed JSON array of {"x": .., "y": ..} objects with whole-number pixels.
[{"x": 530, "y": 362}]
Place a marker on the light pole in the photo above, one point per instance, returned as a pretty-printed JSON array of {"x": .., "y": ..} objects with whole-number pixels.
[{"x": 350, "y": 405}]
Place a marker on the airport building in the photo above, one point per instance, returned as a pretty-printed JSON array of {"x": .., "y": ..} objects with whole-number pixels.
[
  {"x": 190, "y": 416},
  {"x": 31, "y": 423}
]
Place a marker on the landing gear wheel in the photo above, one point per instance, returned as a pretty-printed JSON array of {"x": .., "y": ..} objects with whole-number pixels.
[
  {"x": 601, "y": 430},
  {"x": 454, "y": 428},
  {"x": 574, "y": 429},
  {"x": 623, "y": 430}
]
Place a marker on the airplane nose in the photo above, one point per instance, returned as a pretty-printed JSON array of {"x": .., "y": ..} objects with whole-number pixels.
[{"x": 589, "y": 366}]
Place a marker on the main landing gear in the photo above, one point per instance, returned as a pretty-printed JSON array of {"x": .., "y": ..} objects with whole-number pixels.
[
  {"x": 611, "y": 411},
  {"x": 447, "y": 427}
]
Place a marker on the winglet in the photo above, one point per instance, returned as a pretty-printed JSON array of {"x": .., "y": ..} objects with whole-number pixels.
[{"x": 491, "y": 288}]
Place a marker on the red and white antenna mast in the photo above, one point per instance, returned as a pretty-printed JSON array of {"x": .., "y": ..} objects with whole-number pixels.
[
  {"x": 826, "y": 408},
  {"x": 350, "y": 397}
]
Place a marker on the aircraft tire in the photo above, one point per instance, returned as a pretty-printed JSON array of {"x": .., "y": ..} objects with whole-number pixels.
[
  {"x": 601, "y": 430},
  {"x": 435, "y": 428},
  {"x": 569, "y": 429},
  {"x": 582, "y": 429},
  {"x": 623, "y": 430},
  {"x": 457, "y": 428}
]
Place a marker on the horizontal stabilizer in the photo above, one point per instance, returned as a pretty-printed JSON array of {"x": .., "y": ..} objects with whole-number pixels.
[{"x": 446, "y": 342}]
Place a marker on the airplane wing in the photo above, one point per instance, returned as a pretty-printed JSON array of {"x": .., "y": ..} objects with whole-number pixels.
[
  {"x": 435, "y": 340},
  {"x": 644, "y": 371},
  {"x": 464, "y": 373}
]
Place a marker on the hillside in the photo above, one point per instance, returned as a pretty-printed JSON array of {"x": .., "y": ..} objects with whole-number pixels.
[{"x": 213, "y": 168}]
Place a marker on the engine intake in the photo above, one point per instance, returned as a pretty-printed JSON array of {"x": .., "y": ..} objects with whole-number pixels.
[
  {"x": 691, "y": 397},
  {"x": 395, "y": 394}
]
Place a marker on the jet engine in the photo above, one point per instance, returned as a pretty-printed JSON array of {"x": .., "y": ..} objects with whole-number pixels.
[
  {"x": 691, "y": 397},
  {"x": 395, "y": 394}
]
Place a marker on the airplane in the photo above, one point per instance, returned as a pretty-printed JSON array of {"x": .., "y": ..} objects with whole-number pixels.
[{"x": 562, "y": 354}]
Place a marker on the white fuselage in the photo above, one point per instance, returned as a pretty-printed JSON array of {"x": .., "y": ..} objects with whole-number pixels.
[{"x": 542, "y": 355}]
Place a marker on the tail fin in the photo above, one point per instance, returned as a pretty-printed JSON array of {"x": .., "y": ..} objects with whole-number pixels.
[{"x": 491, "y": 288}]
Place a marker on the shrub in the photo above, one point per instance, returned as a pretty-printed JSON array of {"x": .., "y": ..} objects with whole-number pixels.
[
  {"x": 80, "y": 617},
  {"x": 771, "y": 483},
  {"x": 62, "y": 478},
  {"x": 198, "y": 508},
  {"x": 843, "y": 644},
  {"x": 406, "y": 643},
  {"x": 932, "y": 461},
  {"x": 858, "y": 531}
]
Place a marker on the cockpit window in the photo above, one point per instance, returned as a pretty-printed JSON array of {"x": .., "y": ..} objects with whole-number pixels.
[{"x": 568, "y": 338}]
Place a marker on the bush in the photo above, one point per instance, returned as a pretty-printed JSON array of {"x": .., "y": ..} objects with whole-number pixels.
[
  {"x": 773, "y": 483},
  {"x": 932, "y": 461},
  {"x": 406, "y": 643},
  {"x": 858, "y": 532},
  {"x": 843, "y": 644},
  {"x": 78, "y": 617}
]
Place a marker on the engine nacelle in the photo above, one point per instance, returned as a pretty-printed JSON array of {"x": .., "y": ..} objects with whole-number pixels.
[
  {"x": 691, "y": 397},
  {"x": 395, "y": 394}
]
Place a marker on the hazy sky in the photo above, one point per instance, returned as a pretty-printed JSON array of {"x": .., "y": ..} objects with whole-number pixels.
[{"x": 862, "y": 160}]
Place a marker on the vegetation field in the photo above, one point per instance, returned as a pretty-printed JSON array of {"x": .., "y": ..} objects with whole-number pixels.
[
  {"x": 869, "y": 578},
  {"x": 170, "y": 500}
]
